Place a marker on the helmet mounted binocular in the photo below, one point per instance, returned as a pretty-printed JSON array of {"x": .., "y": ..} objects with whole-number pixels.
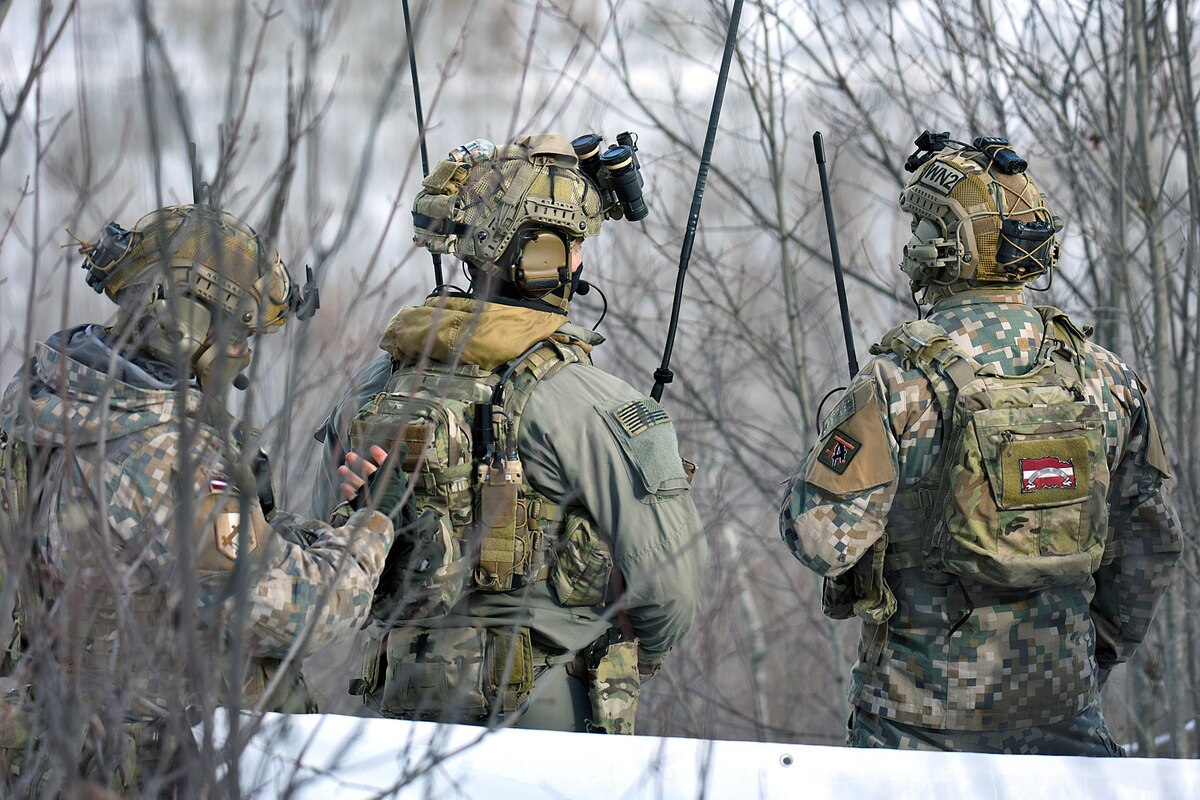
[
  {"x": 999, "y": 153},
  {"x": 615, "y": 172}
]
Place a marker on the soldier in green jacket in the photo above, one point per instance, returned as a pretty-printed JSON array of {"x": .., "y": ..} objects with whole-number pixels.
[
  {"x": 555, "y": 555},
  {"x": 989, "y": 497},
  {"x": 161, "y": 583}
]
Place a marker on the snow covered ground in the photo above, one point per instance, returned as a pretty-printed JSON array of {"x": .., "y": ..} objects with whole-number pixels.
[{"x": 320, "y": 757}]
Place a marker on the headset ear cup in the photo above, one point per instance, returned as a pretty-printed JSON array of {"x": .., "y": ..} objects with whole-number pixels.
[
  {"x": 542, "y": 264},
  {"x": 181, "y": 327}
]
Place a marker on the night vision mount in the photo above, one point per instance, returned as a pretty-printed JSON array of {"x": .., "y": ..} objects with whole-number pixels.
[
  {"x": 997, "y": 149},
  {"x": 928, "y": 144}
]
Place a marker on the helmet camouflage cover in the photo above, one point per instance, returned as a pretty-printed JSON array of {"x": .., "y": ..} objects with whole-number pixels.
[
  {"x": 205, "y": 254},
  {"x": 474, "y": 202},
  {"x": 961, "y": 205},
  {"x": 191, "y": 280}
]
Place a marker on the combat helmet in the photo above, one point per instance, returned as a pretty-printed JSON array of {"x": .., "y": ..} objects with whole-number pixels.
[
  {"x": 511, "y": 211},
  {"x": 977, "y": 216},
  {"x": 190, "y": 279}
]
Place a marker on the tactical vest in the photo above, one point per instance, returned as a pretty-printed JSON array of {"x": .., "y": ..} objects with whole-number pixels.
[
  {"x": 1017, "y": 495},
  {"x": 481, "y": 526}
]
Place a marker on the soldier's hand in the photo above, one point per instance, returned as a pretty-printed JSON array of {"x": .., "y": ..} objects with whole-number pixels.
[
  {"x": 386, "y": 484},
  {"x": 356, "y": 470}
]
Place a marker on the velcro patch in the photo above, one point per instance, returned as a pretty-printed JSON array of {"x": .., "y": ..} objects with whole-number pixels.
[
  {"x": 1049, "y": 472},
  {"x": 942, "y": 177},
  {"x": 639, "y": 416},
  {"x": 227, "y": 532},
  {"x": 839, "y": 450},
  {"x": 1039, "y": 471}
]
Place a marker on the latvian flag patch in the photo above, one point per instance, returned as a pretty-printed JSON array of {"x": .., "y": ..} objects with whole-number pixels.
[
  {"x": 1048, "y": 472},
  {"x": 220, "y": 484}
]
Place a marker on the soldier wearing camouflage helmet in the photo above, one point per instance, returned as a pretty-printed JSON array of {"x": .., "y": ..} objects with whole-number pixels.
[
  {"x": 161, "y": 580},
  {"x": 554, "y": 554},
  {"x": 989, "y": 497}
]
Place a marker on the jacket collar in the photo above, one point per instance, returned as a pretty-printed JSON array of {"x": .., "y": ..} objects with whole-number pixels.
[{"x": 469, "y": 331}]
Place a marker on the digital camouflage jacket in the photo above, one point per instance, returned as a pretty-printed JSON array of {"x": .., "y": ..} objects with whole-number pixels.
[
  {"x": 1020, "y": 657},
  {"x": 138, "y": 527},
  {"x": 575, "y": 453}
]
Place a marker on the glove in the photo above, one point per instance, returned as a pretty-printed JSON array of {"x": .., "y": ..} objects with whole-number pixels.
[{"x": 387, "y": 490}]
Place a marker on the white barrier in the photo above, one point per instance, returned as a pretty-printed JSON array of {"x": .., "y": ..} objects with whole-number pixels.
[{"x": 322, "y": 757}]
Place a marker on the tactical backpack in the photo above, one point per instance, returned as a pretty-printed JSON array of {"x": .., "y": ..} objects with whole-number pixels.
[
  {"x": 1017, "y": 497},
  {"x": 480, "y": 527}
]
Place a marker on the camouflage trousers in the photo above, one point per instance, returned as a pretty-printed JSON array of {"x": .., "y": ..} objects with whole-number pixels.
[{"x": 1082, "y": 735}]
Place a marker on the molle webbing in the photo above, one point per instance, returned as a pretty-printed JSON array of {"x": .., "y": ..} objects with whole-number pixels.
[
  {"x": 537, "y": 366},
  {"x": 519, "y": 547}
]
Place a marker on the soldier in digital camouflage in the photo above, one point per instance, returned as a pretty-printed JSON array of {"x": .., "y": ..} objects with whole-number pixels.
[
  {"x": 555, "y": 555},
  {"x": 990, "y": 495},
  {"x": 163, "y": 581}
]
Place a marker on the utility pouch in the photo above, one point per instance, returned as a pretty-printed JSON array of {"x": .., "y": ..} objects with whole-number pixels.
[
  {"x": 614, "y": 688},
  {"x": 509, "y": 668},
  {"x": 291, "y": 695},
  {"x": 446, "y": 673},
  {"x": 1025, "y": 491},
  {"x": 426, "y": 673},
  {"x": 503, "y": 538},
  {"x": 582, "y": 565}
]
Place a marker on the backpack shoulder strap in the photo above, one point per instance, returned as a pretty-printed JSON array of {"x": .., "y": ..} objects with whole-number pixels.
[
  {"x": 926, "y": 346},
  {"x": 1063, "y": 343},
  {"x": 553, "y": 354},
  {"x": 14, "y": 476},
  {"x": 14, "y": 504}
]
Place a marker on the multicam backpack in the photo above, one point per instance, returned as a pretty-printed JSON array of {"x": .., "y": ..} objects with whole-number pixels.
[
  {"x": 481, "y": 527},
  {"x": 1018, "y": 496}
]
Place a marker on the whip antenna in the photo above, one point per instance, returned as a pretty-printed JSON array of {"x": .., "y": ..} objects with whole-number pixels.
[
  {"x": 412, "y": 70},
  {"x": 835, "y": 254},
  {"x": 663, "y": 375}
]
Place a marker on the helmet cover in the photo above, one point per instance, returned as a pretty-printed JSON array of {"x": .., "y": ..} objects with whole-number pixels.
[
  {"x": 968, "y": 203},
  {"x": 206, "y": 254},
  {"x": 473, "y": 203}
]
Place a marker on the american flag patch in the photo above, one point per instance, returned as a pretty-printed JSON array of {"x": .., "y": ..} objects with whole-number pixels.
[{"x": 639, "y": 416}]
